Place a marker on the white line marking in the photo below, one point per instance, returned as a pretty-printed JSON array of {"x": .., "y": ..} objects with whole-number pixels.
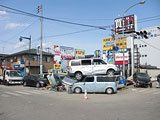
[
  {"x": 41, "y": 91},
  {"x": 34, "y": 92},
  {"x": 3, "y": 95},
  {"x": 11, "y": 93},
  {"x": 23, "y": 93},
  {"x": 141, "y": 91}
]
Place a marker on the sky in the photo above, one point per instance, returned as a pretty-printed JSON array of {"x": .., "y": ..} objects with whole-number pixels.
[{"x": 88, "y": 12}]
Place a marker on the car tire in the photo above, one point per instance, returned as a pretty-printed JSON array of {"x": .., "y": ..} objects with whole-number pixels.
[
  {"x": 78, "y": 90},
  {"x": 78, "y": 76},
  {"x": 38, "y": 85},
  {"x": 137, "y": 84},
  {"x": 109, "y": 90},
  {"x": 25, "y": 84},
  {"x": 150, "y": 85},
  {"x": 6, "y": 83},
  {"x": 110, "y": 72}
]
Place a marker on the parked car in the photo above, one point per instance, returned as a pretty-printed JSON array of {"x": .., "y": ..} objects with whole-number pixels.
[
  {"x": 122, "y": 82},
  {"x": 96, "y": 83},
  {"x": 35, "y": 80},
  {"x": 93, "y": 66},
  {"x": 142, "y": 79}
]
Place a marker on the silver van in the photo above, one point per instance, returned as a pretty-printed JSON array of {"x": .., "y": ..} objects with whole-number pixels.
[{"x": 83, "y": 67}]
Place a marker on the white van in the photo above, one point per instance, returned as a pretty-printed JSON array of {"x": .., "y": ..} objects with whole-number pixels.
[{"x": 82, "y": 67}]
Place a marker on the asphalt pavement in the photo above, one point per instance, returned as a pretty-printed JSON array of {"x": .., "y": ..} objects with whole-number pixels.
[{"x": 28, "y": 103}]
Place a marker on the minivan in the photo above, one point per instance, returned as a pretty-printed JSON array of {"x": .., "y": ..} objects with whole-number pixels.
[
  {"x": 93, "y": 66},
  {"x": 96, "y": 83}
]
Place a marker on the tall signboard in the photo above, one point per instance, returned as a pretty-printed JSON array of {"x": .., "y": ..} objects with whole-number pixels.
[
  {"x": 67, "y": 52},
  {"x": 79, "y": 53},
  {"x": 57, "y": 54},
  {"x": 97, "y": 54},
  {"x": 128, "y": 24},
  {"x": 108, "y": 43}
]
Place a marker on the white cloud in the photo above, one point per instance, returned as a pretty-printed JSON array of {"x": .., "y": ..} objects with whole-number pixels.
[
  {"x": 19, "y": 44},
  {"x": 47, "y": 45},
  {"x": 3, "y": 12},
  {"x": 15, "y": 25},
  {"x": 3, "y": 15}
]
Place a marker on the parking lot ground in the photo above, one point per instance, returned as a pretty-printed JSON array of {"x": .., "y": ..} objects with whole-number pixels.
[{"x": 29, "y": 103}]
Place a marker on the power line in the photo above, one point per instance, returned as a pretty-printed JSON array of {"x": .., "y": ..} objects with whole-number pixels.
[
  {"x": 57, "y": 20},
  {"x": 71, "y": 33},
  {"x": 150, "y": 45}
]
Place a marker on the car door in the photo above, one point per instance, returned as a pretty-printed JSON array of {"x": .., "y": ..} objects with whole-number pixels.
[
  {"x": 89, "y": 84},
  {"x": 98, "y": 67},
  {"x": 86, "y": 67},
  {"x": 33, "y": 80},
  {"x": 101, "y": 84}
]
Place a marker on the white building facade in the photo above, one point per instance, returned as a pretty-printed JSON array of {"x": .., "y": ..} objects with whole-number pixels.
[{"x": 149, "y": 49}]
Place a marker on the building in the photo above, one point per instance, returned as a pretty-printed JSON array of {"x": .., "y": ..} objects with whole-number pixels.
[
  {"x": 149, "y": 48},
  {"x": 20, "y": 61},
  {"x": 1, "y": 59}
]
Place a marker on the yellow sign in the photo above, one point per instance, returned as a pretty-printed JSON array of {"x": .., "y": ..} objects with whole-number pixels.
[
  {"x": 57, "y": 66},
  {"x": 79, "y": 53},
  {"x": 108, "y": 43}
]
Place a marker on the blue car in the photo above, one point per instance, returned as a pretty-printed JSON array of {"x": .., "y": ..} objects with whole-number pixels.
[{"x": 96, "y": 83}]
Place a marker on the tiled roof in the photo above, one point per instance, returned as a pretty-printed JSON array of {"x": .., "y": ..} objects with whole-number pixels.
[{"x": 32, "y": 52}]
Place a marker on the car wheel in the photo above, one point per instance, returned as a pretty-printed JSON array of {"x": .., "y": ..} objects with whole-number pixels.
[
  {"x": 38, "y": 85},
  {"x": 137, "y": 84},
  {"x": 150, "y": 85},
  {"x": 6, "y": 83},
  {"x": 78, "y": 76},
  {"x": 109, "y": 90},
  {"x": 110, "y": 72},
  {"x": 25, "y": 84},
  {"x": 77, "y": 90}
]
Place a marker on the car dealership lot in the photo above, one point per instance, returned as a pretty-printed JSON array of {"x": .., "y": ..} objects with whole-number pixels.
[{"x": 18, "y": 102}]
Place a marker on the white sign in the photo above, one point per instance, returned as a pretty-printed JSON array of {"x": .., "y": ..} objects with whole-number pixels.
[{"x": 119, "y": 58}]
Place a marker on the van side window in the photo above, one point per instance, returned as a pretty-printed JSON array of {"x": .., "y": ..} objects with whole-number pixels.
[
  {"x": 89, "y": 79},
  {"x": 86, "y": 62},
  {"x": 75, "y": 63},
  {"x": 106, "y": 79}
]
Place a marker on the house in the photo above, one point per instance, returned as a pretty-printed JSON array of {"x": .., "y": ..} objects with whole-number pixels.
[
  {"x": 1, "y": 59},
  {"x": 20, "y": 61}
]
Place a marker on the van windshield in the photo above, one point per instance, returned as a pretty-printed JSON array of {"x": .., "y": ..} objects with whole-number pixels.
[
  {"x": 142, "y": 75},
  {"x": 98, "y": 62},
  {"x": 15, "y": 74}
]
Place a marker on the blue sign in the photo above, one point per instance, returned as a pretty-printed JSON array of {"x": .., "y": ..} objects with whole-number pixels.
[
  {"x": 116, "y": 48},
  {"x": 16, "y": 66}
]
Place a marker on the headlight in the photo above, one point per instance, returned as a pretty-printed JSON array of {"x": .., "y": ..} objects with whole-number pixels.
[{"x": 41, "y": 82}]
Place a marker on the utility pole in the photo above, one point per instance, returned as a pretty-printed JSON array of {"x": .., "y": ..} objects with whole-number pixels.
[
  {"x": 41, "y": 48},
  {"x": 113, "y": 38}
]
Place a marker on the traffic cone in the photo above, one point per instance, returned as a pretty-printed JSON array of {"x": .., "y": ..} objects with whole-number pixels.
[{"x": 85, "y": 97}]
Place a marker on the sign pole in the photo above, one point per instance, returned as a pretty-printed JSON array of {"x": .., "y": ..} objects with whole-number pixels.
[{"x": 132, "y": 55}]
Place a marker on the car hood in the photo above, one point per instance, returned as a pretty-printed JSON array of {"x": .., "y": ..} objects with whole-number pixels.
[
  {"x": 68, "y": 81},
  {"x": 144, "y": 79}
]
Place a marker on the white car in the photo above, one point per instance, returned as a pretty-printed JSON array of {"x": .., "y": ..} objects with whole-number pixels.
[{"x": 83, "y": 67}]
